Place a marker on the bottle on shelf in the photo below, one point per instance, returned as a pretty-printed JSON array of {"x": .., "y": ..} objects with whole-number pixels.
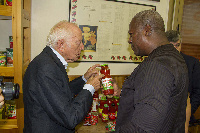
[
  {"x": 109, "y": 101},
  {"x": 87, "y": 120},
  {"x": 116, "y": 102},
  {"x": 94, "y": 118},
  {"x": 95, "y": 103},
  {"x": 107, "y": 80},
  {"x": 112, "y": 111},
  {"x": 102, "y": 102},
  {"x": 105, "y": 113}
]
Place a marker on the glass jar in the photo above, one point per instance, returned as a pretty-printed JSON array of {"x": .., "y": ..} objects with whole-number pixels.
[
  {"x": 105, "y": 113},
  {"x": 107, "y": 80}
]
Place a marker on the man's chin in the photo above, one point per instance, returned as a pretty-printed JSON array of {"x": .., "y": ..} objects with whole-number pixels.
[
  {"x": 69, "y": 61},
  {"x": 75, "y": 59}
]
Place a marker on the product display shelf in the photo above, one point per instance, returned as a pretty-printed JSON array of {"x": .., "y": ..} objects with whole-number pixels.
[
  {"x": 7, "y": 71},
  {"x": 6, "y": 13},
  {"x": 5, "y": 10},
  {"x": 19, "y": 13},
  {"x": 8, "y": 123}
]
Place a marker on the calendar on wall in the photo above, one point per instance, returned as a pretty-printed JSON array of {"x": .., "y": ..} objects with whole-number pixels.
[{"x": 105, "y": 25}]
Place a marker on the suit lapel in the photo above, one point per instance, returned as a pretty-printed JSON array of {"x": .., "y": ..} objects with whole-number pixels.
[{"x": 49, "y": 51}]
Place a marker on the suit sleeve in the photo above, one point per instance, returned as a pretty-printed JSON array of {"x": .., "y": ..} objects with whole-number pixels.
[
  {"x": 76, "y": 85},
  {"x": 195, "y": 95},
  {"x": 57, "y": 100}
]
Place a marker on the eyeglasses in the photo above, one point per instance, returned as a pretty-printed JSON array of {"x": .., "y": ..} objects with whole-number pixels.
[{"x": 176, "y": 45}]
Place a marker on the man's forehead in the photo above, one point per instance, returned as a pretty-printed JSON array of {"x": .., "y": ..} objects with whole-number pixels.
[{"x": 132, "y": 26}]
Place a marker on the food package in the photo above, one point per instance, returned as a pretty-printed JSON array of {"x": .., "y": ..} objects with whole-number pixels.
[
  {"x": 111, "y": 126},
  {"x": 87, "y": 120},
  {"x": 9, "y": 57},
  {"x": 11, "y": 109},
  {"x": 2, "y": 58},
  {"x": 8, "y": 2},
  {"x": 11, "y": 41},
  {"x": 94, "y": 118}
]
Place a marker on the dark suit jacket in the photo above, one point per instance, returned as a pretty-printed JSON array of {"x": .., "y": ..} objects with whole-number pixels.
[
  {"x": 193, "y": 65},
  {"x": 49, "y": 102},
  {"x": 154, "y": 97}
]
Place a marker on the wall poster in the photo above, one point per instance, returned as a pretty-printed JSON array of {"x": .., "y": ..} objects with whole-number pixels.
[{"x": 104, "y": 25}]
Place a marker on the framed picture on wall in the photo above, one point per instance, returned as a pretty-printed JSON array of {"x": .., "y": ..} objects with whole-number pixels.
[
  {"x": 155, "y": 0},
  {"x": 104, "y": 26}
]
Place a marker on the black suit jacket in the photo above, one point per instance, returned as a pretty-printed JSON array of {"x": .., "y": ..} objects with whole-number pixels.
[
  {"x": 49, "y": 102},
  {"x": 193, "y": 65}
]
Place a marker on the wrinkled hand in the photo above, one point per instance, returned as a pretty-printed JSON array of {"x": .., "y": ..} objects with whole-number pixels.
[
  {"x": 92, "y": 71},
  {"x": 1, "y": 99},
  {"x": 95, "y": 81},
  {"x": 117, "y": 90}
]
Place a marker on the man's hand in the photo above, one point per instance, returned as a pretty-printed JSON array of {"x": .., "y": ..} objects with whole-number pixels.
[
  {"x": 92, "y": 71},
  {"x": 117, "y": 90},
  {"x": 95, "y": 81},
  {"x": 1, "y": 99}
]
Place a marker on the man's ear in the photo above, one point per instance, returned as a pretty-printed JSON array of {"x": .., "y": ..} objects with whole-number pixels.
[
  {"x": 147, "y": 30},
  {"x": 60, "y": 44}
]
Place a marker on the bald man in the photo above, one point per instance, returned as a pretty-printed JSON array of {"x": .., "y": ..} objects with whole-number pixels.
[{"x": 154, "y": 97}]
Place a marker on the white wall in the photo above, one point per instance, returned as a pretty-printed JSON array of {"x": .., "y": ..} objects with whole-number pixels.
[
  {"x": 46, "y": 13},
  {"x": 5, "y": 32}
]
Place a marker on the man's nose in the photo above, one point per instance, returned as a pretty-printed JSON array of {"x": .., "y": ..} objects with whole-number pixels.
[
  {"x": 130, "y": 40},
  {"x": 82, "y": 46}
]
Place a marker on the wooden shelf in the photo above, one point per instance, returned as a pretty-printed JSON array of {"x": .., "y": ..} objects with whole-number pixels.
[
  {"x": 7, "y": 71},
  {"x": 20, "y": 14},
  {"x": 5, "y": 10},
  {"x": 8, "y": 123}
]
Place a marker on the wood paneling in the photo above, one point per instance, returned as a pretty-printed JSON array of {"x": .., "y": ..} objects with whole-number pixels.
[
  {"x": 191, "y": 22},
  {"x": 8, "y": 124},
  {"x": 7, "y": 71},
  {"x": 191, "y": 49},
  {"x": 5, "y": 10},
  {"x": 9, "y": 131}
]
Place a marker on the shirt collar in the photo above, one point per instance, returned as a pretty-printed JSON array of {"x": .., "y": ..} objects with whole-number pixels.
[{"x": 60, "y": 57}]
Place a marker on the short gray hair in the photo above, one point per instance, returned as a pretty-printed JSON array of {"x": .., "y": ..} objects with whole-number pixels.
[
  {"x": 61, "y": 30},
  {"x": 173, "y": 36},
  {"x": 152, "y": 18}
]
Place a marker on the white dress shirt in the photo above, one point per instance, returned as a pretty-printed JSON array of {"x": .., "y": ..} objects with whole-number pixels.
[{"x": 86, "y": 86}]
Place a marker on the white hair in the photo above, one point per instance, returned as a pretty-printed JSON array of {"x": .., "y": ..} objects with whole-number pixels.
[{"x": 61, "y": 30}]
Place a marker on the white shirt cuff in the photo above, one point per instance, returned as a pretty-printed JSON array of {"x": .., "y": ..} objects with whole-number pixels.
[
  {"x": 89, "y": 88},
  {"x": 84, "y": 78}
]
